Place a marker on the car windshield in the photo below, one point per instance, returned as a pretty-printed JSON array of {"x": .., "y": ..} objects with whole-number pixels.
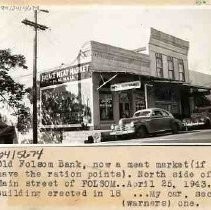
[{"x": 142, "y": 114}]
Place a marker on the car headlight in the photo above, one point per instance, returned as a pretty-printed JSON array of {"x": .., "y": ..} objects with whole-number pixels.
[
  {"x": 202, "y": 119},
  {"x": 112, "y": 127},
  {"x": 132, "y": 124},
  {"x": 120, "y": 122},
  {"x": 184, "y": 121}
]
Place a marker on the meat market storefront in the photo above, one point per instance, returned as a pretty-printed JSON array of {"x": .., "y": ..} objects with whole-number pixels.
[{"x": 104, "y": 85}]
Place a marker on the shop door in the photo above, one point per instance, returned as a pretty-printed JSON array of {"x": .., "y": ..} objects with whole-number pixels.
[
  {"x": 124, "y": 110},
  {"x": 125, "y": 105}
]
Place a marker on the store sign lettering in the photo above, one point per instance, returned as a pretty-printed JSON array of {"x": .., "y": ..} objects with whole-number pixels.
[
  {"x": 126, "y": 86},
  {"x": 64, "y": 75}
]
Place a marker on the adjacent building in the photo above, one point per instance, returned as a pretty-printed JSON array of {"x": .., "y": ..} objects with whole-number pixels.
[
  {"x": 106, "y": 83},
  {"x": 202, "y": 84}
]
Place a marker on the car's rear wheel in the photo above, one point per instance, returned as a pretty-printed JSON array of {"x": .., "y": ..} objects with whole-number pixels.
[
  {"x": 141, "y": 132},
  {"x": 207, "y": 124},
  {"x": 118, "y": 137},
  {"x": 175, "y": 128}
]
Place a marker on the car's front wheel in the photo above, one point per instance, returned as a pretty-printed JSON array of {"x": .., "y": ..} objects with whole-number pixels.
[
  {"x": 141, "y": 132},
  {"x": 207, "y": 124}
]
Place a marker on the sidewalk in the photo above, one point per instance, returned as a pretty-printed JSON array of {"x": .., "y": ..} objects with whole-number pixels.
[
  {"x": 66, "y": 137},
  {"x": 78, "y": 137}
]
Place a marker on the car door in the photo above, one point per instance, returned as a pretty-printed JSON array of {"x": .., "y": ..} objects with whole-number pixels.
[
  {"x": 156, "y": 121},
  {"x": 167, "y": 120}
]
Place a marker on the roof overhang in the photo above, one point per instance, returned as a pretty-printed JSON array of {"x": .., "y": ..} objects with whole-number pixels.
[
  {"x": 200, "y": 88},
  {"x": 156, "y": 80}
]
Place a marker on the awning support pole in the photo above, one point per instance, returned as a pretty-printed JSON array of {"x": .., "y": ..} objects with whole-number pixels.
[
  {"x": 107, "y": 81},
  {"x": 102, "y": 78},
  {"x": 146, "y": 94}
]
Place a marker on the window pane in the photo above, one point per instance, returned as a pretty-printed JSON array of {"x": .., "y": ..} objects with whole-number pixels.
[
  {"x": 157, "y": 114},
  {"x": 181, "y": 67},
  {"x": 165, "y": 114},
  {"x": 171, "y": 75},
  {"x": 160, "y": 72},
  {"x": 181, "y": 71},
  {"x": 181, "y": 76},
  {"x": 159, "y": 63},
  {"x": 170, "y": 65}
]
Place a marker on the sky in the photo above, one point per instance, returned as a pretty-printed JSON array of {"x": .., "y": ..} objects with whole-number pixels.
[{"x": 122, "y": 26}]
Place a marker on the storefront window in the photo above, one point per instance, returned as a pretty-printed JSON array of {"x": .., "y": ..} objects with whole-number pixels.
[
  {"x": 166, "y": 94},
  {"x": 106, "y": 106},
  {"x": 139, "y": 100},
  {"x": 181, "y": 71},
  {"x": 170, "y": 67},
  {"x": 167, "y": 98},
  {"x": 159, "y": 64}
]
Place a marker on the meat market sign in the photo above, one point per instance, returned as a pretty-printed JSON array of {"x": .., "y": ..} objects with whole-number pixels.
[
  {"x": 72, "y": 73},
  {"x": 125, "y": 86}
]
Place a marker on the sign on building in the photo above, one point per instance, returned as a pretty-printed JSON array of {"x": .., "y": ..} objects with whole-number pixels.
[
  {"x": 125, "y": 86},
  {"x": 71, "y": 73}
]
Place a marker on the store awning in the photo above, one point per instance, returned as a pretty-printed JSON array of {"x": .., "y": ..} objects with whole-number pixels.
[
  {"x": 199, "y": 87},
  {"x": 169, "y": 81},
  {"x": 181, "y": 83}
]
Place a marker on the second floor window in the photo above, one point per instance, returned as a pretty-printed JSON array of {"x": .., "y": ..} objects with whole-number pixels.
[
  {"x": 181, "y": 71},
  {"x": 159, "y": 64},
  {"x": 170, "y": 67}
]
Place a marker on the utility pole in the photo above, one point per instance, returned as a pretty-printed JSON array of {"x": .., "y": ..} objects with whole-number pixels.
[{"x": 36, "y": 27}]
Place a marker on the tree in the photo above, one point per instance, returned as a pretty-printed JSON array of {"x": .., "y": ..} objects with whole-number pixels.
[{"x": 12, "y": 92}]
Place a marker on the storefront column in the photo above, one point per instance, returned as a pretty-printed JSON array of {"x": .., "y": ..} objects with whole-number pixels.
[
  {"x": 148, "y": 95},
  {"x": 96, "y": 107},
  {"x": 192, "y": 104},
  {"x": 116, "y": 107}
]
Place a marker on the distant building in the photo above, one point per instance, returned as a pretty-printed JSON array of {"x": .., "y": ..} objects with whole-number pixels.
[
  {"x": 200, "y": 79},
  {"x": 202, "y": 96},
  {"x": 106, "y": 83}
]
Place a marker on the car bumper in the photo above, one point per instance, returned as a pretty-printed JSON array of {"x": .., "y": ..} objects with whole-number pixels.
[
  {"x": 193, "y": 124},
  {"x": 122, "y": 132}
]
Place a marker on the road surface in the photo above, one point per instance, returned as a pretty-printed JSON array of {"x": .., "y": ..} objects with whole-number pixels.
[{"x": 193, "y": 137}]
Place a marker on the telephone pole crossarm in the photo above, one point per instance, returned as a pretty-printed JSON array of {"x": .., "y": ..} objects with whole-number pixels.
[{"x": 35, "y": 25}]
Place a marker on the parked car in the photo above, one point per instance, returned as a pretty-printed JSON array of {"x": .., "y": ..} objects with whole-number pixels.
[
  {"x": 200, "y": 119},
  {"x": 147, "y": 121}
]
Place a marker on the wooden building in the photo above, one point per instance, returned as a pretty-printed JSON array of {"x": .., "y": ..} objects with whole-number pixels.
[{"x": 106, "y": 83}]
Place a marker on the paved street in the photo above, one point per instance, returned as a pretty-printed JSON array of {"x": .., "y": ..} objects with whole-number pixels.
[{"x": 195, "y": 137}]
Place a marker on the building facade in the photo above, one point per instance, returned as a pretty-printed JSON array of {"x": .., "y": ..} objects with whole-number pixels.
[
  {"x": 107, "y": 83},
  {"x": 169, "y": 64}
]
